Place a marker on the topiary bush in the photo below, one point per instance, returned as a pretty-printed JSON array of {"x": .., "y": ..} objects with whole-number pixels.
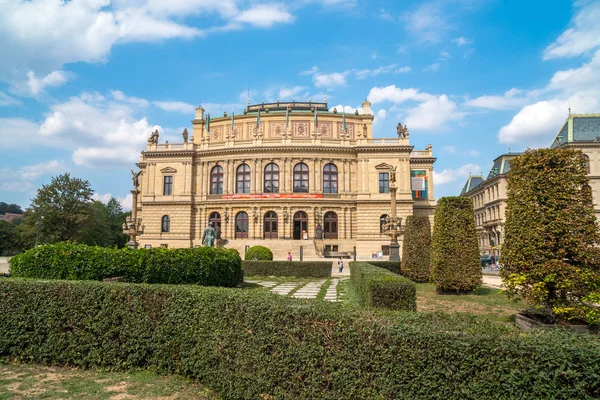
[
  {"x": 549, "y": 252},
  {"x": 315, "y": 269},
  {"x": 392, "y": 266},
  {"x": 204, "y": 266},
  {"x": 416, "y": 249},
  {"x": 259, "y": 253},
  {"x": 378, "y": 287},
  {"x": 250, "y": 344},
  {"x": 455, "y": 264}
]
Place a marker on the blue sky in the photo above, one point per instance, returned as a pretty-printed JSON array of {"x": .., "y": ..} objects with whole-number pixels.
[{"x": 83, "y": 83}]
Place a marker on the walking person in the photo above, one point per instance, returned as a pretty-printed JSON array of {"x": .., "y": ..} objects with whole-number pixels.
[
  {"x": 341, "y": 265},
  {"x": 289, "y": 257}
]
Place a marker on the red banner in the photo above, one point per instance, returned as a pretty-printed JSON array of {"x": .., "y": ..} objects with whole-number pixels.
[{"x": 273, "y": 196}]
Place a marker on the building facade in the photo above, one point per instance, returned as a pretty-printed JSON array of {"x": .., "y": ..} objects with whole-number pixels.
[
  {"x": 489, "y": 202},
  {"x": 284, "y": 175},
  {"x": 582, "y": 132}
]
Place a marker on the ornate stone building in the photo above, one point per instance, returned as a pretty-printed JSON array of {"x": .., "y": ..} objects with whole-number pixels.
[
  {"x": 582, "y": 132},
  {"x": 489, "y": 201},
  {"x": 285, "y": 175}
]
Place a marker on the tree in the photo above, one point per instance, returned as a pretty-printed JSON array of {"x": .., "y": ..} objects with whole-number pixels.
[
  {"x": 9, "y": 237},
  {"x": 60, "y": 209},
  {"x": 455, "y": 264},
  {"x": 549, "y": 252},
  {"x": 6, "y": 208},
  {"x": 416, "y": 249}
]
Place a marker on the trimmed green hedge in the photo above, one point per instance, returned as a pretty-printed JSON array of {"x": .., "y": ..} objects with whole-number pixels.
[
  {"x": 455, "y": 263},
  {"x": 392, "y": 266},
  {"x": 250, "y": 344},
  {"x": 378, "y": 287},
  {"x": 259, "y": 253},
  {"x": 204, "y": 266},
  {"x": 416, "y": 249},
  {"x": 315, "y": 269}
]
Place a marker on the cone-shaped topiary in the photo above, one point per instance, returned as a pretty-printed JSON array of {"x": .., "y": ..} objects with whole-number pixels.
[
  {"x": 259, "y": 253},
  {"x": 416, "y": 249},
  {"x": 455, "y": 264},
  {"x": 549, "y": 252}
]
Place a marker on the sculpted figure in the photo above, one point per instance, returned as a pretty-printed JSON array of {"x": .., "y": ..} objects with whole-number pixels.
[
  {"x": 208, "y": 237},
  {"x": 185, "y": 135},
  {"x": 319, "y": 232},
  {"x": 402, "y": 131},
  {"x": 136, "y": 178},
  {"x": 364, "y": 130},
  {"x": 393, "y": 174}
]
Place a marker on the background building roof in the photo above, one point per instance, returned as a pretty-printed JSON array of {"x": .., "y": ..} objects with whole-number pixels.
[{"x": 578, "y": 128}]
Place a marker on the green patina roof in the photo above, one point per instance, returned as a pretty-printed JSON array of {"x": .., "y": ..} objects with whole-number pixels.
[
  {"x": 578, "y": 128},
  {"x": 472, "y": 183}
]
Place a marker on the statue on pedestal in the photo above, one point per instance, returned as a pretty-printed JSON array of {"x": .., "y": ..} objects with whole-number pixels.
[
  {"x": 402, "y": 131},
  {"x": 319, "y": 232},
  {"x": 185, "y": 135},
  {"x": 208, "y": 237},
  {"x": 393, "y": 175},
  {"x": 136, "y": 178},
  {"x": 153, "y": 139}
]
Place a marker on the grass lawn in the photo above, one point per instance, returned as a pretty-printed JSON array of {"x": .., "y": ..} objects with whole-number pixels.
[{"x": 31, "y": 381}]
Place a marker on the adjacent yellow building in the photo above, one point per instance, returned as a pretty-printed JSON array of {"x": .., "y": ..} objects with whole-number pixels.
[{"x": 283, "y": 175}]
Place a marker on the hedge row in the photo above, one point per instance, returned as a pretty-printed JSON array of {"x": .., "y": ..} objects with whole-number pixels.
[
  {"x": 416, "y": 251},
  {"x": 250, "y": 344},
  {"x": 259, "y": 253},
  {"x": 377, "y": 287},
  {"x": 204, "y": 266},
  {"x": 315, "y": 269},
  {"x": 393, "y": 266}
]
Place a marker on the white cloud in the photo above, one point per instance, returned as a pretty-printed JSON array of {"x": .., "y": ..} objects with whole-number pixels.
[
  {"x": 426, "y": 22},
  {"x": 581, "y": 37},
  {"x": 509, "y": 100},
  {"x": 534, "y": 121},
  {"x": 265, "y": 15},
  {"x": 396, "y": 95},
  {"x": 55, "y": 78},
  {"x": 21, "y": 179},
  {"x": 125, "y": 201},
  {"x": 6, "y": 100},
  {"x": 120, "y": 96},
  {"x": 289, "y": 93},
  {"x": 473, "y": 153},
  {"x": 403, "y": 70},
  {"x": 175, "y": 106},
  {"x": 347, "y": 109},
  {"x": 449, "y": 149},
  {"x": 432, "y": 67},
  {"x": 461, "y": 41},
  {"x": 433, "y": 114},
  {"x": 19, "y": 132},
  {"x": 451, "y": 175},
  {"x": 584, "y": 78},
  {"x": 385, "y": 14},
  {"x": 330, "y": 80},
  {"x": 365, "y": 73},
  {"x": 444, "y": 55},
  {"x": 380, "y": 115},
  {"x": 311, "y": 71}
]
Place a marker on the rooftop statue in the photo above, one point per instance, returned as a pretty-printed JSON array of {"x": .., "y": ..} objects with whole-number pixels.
[
  {"x": 136, "y": 178},
  {"x": 185, "y": 135},
  {"x": 402, "y": 131},
  {"x": 153, "y": 139}
]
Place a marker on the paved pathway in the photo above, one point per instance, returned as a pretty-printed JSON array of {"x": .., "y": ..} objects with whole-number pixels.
[
  {"x": 302, "y": 290},
  {"x": 492, "y": 281},
  {"x": 4, "y": 265}
]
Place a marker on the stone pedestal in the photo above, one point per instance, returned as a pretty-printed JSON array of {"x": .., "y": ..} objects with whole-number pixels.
[{"x": 394, "y": 252}]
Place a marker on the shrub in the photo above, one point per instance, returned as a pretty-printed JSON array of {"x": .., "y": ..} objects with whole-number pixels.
[
  {"x": 315, "y": 269},
  {"x": 201, "y": 266},
  {"x": 455, "y": 264},
  {"x": 549, "y": 252},
  {"x": 259, "y": 253},
  {"x": 393, "y": 266},
  {"x": 250, "y": 344},
  {"x": 416, "y": 249},
  {"x": 377, "y": 287}
]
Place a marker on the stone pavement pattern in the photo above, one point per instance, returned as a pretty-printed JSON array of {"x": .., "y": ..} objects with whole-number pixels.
[
  {"x": 308, "y": 290},
  {"x": 4, "y": 265}
]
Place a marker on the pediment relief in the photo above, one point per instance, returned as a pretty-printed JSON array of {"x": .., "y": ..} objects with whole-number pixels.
[
  {"x": 383, "y": 166},
  {"x": 168, "y": 170}
]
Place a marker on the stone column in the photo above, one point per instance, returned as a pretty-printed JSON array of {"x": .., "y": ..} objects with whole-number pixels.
[
  {"x": 359, "y": 173},
  {"x": 226, "y": 172},
  {"x": 394, "y": 246}
]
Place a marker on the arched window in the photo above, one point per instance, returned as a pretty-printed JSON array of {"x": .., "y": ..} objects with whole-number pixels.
[
  {"x": 165, "y": 226},
  {"x": 587, "y": 163},
  {"x": 382, "y": 221},
  {"x": 330, "y": 178},
  {"x": 301, "y": 178},
  {"x": 271, "y": 225},
  {"x": 271, "y": 178},
  {"x": 241, "y": 225},
  {"x": 331, "y": 225},
  {"x": 243, "y": 179},
  {"x": 215, "y": 218},
  {"x": 216, "y": 180}
]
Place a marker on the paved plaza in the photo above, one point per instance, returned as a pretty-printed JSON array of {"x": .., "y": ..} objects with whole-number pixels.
[{"x": 304, "y": 290}]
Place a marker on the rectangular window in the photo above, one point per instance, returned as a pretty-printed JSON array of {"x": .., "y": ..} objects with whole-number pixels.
[
  {"x": 168, "y": 185},
  {"x": 384, "y": 182}
]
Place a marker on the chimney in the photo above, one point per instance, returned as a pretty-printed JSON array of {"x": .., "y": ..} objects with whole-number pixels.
[
  {"x": 366, "y": 105},
  {"x": 200, "y": 113}
]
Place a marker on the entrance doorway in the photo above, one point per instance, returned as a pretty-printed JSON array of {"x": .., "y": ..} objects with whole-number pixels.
[
  {"x": 300, "y": 225},
  {"x": 331, "y": 225},
  {"x": 271, "y": 225}
]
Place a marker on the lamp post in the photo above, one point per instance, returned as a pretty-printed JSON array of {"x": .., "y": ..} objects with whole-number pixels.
[
  {"x": 393, "y": 224},
  {"x": 133, "y": 225},
  {"x": 37, "y": 229}
]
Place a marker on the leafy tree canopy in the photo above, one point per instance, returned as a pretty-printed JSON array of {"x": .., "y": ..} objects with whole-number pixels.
[{"x": 6, "y": 208}]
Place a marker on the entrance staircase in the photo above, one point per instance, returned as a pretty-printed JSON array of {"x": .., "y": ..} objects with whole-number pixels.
[{"x": 279, "y": 247}]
